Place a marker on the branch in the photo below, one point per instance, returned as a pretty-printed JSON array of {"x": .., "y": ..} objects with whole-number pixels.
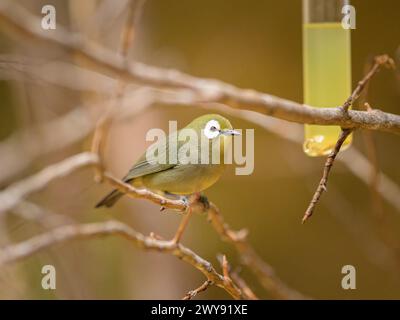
[
  {"x": 371, "y": 151},
  {"x": 103, "y": 125},
  {"x": 22, "y": 148},
  {"x": 18, "y": 191},
  {"x": 62, "y": 234},
  {"x": 191, "y": 294},
  {"x": 353, "y": 159},
  {"x": 132, "y": 192},
  {"x": 327, "y": 168},
  {"x": 20, "y": 22},
  {"x": 234, "y": 277},
  {"x": 48, "y": 219},
  {"x": 12, "y": 195},
  {"x": 249, "y": 257},
  {"x": 243, "y": 286},
  {"x": 383, "y": 60}
]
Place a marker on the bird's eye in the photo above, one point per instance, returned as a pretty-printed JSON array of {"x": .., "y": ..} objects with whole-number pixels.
[{"x": 211, "y": 130}]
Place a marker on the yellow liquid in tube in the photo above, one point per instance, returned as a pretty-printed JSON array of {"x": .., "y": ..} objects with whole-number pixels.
[{"x": 327, "y": 80}]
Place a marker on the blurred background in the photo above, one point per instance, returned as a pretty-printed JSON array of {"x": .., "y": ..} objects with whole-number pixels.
[{"x": 251, "y": 44}]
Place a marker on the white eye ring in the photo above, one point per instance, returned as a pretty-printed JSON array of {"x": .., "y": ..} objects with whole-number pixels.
[{"x": 212, "y": 128}]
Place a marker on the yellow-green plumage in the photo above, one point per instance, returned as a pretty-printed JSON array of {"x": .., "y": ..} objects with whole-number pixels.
[{"x": 178, "y": 178}]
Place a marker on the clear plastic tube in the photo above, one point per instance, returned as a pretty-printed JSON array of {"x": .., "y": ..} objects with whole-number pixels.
[{"x": 326, "y": 69}]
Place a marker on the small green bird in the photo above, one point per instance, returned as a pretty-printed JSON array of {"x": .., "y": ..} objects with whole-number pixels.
[{"x": 180, "y": 177}]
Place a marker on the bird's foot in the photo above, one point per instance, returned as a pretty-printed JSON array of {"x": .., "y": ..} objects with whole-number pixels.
[
  {"x": 174, "y": 197},
  {"x": 185, "y": 200}
]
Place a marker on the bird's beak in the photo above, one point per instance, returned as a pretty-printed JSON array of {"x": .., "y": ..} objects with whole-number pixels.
[{"x": 229, "y": 132}]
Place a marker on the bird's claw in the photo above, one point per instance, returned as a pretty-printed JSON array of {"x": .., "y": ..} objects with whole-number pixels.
[{"x": 185, "y": 201}]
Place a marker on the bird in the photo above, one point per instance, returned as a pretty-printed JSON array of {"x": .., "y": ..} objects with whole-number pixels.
[{"x": 181, "y": 178}]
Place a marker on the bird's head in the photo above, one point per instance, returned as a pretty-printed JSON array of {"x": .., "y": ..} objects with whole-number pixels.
[{"x": 213, "y": 126}]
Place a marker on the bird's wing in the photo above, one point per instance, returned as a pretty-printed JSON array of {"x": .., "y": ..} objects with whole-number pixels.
[{"x": 151, "y": 163}]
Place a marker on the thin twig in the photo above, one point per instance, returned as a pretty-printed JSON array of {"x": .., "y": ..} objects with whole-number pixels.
[
  {"x": 191, "y": 294},
  {"x": 62, "y": 234},
  {"x": 19, "y": 21},
  {"x": 383, "y": 60},
  {"x": 103, "y": 125},
  {"x": 135, "y": 193},
  {"x": 48, "y": 219},
  {"x": 322, "y": 186},
  {"x": 371, "y": 150},
  {"x": 243, "y": 286},
  {"x": 226, "y": 271},
  {"x": 249, "y": 257},
  {"x": 225, "y": 267},
  {"x": 235, "y": 278},
  {"x": 18, "y": 191}
]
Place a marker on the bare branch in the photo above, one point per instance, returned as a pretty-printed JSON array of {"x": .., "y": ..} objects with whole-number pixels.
[
  {"x": 191, "y": 294},
  {"x": 21, "y": 22},
  {"x": 103, "y": 125},
  {"x": 327, "y": 169},
  {"x": 16, "y": 192},
  {"x": 23, "y": 147},
  {"x": 353, "y": 159},
  {"x": 383, "y": 60},
  {"x": 234, "y": 277},
  {"x": 250, "y": 258},
  {"x": 243, "y": 286},
  {"x": 48, "y": 219},
  {"x": 62, "y": 234},
  {"x": 359, "y": 165},
  {"x": 132, "y": 192},
  {"x": 225, "y": 267},
  {"x": 371, "y": 150}
]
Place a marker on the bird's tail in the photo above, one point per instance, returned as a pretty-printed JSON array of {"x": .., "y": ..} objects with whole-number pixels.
[{"x": 110, "y": 199}]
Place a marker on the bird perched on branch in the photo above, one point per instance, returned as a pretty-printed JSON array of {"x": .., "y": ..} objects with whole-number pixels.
[{"x": 184, "y": 163}]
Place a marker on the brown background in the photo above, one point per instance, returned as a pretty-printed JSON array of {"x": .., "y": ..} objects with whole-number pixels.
[{"x": 254, "y": 44}]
